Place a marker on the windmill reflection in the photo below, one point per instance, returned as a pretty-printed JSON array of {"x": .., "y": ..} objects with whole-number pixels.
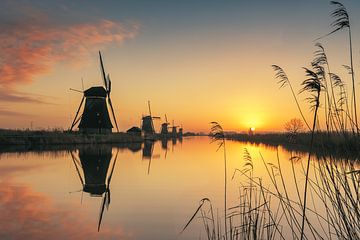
[
  {"x": 147, "y": 152},
  {"x": 94, "y": 162}
]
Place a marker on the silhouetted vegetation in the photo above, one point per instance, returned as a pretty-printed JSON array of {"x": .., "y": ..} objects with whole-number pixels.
[{"x": 334, "y": 185}]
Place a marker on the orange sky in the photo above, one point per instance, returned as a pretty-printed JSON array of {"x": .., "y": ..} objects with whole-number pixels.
[{"x": 192, "y": 64}]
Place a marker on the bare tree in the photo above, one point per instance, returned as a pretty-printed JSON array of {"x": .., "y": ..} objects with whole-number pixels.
[{"x": 294, "y": 126}]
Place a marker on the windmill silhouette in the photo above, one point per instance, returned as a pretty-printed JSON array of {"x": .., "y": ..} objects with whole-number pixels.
[
  {"x": 147, "y": 125},
  {"x": 95, "y": 180},
  {"x": 165, "y": 126},
  {"x": 95, "y": 117},
  {"x": 180, "y": 132},
  {"x": 174, "y": 129}
]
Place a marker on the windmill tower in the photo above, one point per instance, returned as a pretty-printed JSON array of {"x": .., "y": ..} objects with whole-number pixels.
[
  {"x": 95, "y": 117},
  {"x": 164, "y": 127},
  {"x": 147, "y": 125}
]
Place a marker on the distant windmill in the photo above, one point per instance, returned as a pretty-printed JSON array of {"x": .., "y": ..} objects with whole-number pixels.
[
  {"x": 180, "y": 133},
  {"x": 174, "y": 129},
  {"x": 95, "y": 117},
  {"x": 147, "y": 123},
  {"x": 164, "y": 126}
]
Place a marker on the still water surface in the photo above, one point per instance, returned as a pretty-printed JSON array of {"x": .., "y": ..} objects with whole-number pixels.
[{"x": 146, "y": 192}]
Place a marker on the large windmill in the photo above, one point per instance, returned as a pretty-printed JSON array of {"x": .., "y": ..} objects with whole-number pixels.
[
  {"x": 95, "y": 117},
  {"x": 147, "y": 125},
  {"x": 164, "y": 127}
]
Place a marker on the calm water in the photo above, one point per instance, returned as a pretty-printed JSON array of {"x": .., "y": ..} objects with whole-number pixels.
[{"x": 153, "y": 189}]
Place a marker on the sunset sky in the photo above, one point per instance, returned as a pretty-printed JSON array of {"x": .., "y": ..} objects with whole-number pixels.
[{"x": 196, "y": 61}]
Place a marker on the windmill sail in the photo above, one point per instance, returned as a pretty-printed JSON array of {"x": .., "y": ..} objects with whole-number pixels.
[{"x": 103, "y": 71}]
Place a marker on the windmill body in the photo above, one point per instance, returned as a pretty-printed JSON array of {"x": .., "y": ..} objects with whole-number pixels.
[
  {"x": 147, "y": 125},
  {"x": 164, "y": 128},
  {"x": 95, "y": 118},
  {"x": 174, "y": 130}
]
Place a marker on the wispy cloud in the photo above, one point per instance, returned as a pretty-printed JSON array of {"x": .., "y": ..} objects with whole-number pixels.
[
  {"x": 32, "y": 43},
  {"x": 9, "y": 113},
  {"x": 11, "y": 95}
]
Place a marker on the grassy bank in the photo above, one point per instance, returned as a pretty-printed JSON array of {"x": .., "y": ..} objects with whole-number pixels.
[
  {"x": 324, "y": 142},
  {"x": 43, "y": 138}
]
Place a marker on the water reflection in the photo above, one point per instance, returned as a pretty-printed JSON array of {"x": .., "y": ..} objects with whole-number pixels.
[
  {"x": 148, "y": 149},
  {"x": 94, "y": 162},
  {"x": 147, "y": 153},
  {"x": 142, "y": 206}
]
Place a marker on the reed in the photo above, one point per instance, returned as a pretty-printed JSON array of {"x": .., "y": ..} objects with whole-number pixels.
[{"x": 263, "y": 211}]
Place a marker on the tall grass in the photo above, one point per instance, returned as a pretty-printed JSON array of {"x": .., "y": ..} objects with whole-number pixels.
[
  {"x": 333, "y": 185},
  {"x": 313, "y": 85},
  {"x": 218, "y": 136}
]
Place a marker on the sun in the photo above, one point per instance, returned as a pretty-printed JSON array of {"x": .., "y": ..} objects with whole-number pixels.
[{"x": 252, "y": 129}]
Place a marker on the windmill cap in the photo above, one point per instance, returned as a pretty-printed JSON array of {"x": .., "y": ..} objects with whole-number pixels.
[{"x": 95, "y": 92}]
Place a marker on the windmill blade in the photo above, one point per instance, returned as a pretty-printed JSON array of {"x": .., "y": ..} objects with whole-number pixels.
[
  {"x": 102, "y": 211},
  {"x": 75, "y": 90},
  {"x": 77, "y": 113},
  {"x": 149, "y": 165},
  {"x": 112, "y": 169},
  {"x": 108, "y": 86},
  {"x": 149, "y": 108},
  {"x": 166, "y": 119},
  {"x": 106, "y": 199},
  {"x": 113, "y": 114},
  {"x": 103, "y": 70},
  {"x": 156, "y": 117},
  {"x": 77, "y": 169},
  {"x": 77, "y": 120},
  {"x": 80, "y": 190}
]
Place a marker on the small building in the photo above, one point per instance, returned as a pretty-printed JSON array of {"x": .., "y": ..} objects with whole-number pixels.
[{"x": 136, "y": 131}]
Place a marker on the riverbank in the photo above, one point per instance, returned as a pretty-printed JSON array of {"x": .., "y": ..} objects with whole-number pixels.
[
  {"x": 43, "y": 138},
  {"x": 325, "y": 144}
]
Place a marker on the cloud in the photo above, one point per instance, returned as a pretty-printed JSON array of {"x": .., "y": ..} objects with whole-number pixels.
[
  {"x": 10, "y": 95},
  {"x": 26, "y": 214},
  {"x": 32, "y": 42},
  {"x": 8, "y": 113}
]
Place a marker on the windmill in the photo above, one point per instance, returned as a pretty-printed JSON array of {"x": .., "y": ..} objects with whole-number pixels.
[
  {"x": 95, "y": 117},
  {"x": 164, "y": 127},
  {"x": 180, "y": 133},
  {"x": 174, "y": 129},
  {"x": 147, "y": 125}
]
